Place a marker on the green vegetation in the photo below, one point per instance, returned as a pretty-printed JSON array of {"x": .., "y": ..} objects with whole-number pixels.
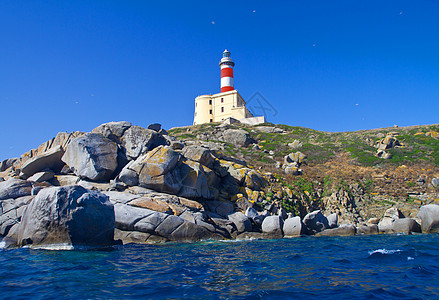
[
  {"x": 367, "y": 184},
  {"x": 321, "y": 147},
  {"x": 410, "y": 184},
  {"x": 363, "y": 154}
]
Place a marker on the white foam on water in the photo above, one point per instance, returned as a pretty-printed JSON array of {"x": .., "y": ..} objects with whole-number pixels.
[
  {"x": 239, "y": 240},
  {"x": 410, "y": 258},
  {"x": 384, "y": 251},
  {"x": 61, "y": 247},
  {"x": 2, "y": 245}
]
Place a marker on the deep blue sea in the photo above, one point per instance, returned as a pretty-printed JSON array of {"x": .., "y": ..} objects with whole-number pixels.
[{"x": 359, "y": 267}]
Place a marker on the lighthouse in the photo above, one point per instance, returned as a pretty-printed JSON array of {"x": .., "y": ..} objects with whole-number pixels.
[
  {"x": 226, "y": 64},
  {"x": 228, "y": 105}
]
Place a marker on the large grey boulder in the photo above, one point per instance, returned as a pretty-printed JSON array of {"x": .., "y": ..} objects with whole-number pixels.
[
  {"x": 194, "y": 180},
  {"x": 241, "y": 221},
  {"x": 368, "y": 229},
  {"x": 41, "y": 176},
  {"x": 71, "y": 216},
  {"x": 429, "y": 215},
  {"x": 198, "y": 154},
  {"x": 92, "y": 156},
  {"x": 269, "y": 129},
  {"x": 113, "y": 130},
  {"x": 293, "y": 227},
  {"x": 251, "y": 213},
  {"x": 127, "y": 216},
  {"x": 315, "y": 222},
  {"x": 155, "y": 126},
  {"x": 221, "y": 208},
  {"x": 254, "y": 180},
  {"x": 272, "y": 225},
  {"x": 50, "y": 159},
  {"x": 163, "y": 169},
  {"x": 167, "y": 226},
  {"x": 343, "y": 230},
  {"x": 15, "y": 188},
  {"x": 295, "y": 158},
  {"x": 386, "y": 223},
  {"x": 129, "y": 174},
  {"x": 237, "y": 137},
  {"x": 7, "y": 163},
  {"x": 332, "y": 220},
  {"x": 388, "y": 142},
  {"x": 155, "y": 170},
  {"x": 11, "y": 211},
  {"x": 406, "y": 225},
  {"x": 137, "y": 141}
]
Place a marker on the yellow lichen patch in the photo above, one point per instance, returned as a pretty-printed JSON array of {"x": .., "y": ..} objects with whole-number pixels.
[
  {"x": 248, "y": 192},
  {"x": 190, "y": 203},
  {"x": 289, "y": 192},
  {"x": 254, "y": 196},
  {"x": 238, "y": 166},
  {"x": 433, "y": 134},
  {"x": 236, "y": 197}
]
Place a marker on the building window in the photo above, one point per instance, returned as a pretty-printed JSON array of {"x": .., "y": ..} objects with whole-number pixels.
[
  {"x": 222, "y": 100},
  {"x": 195, "y": 113},
  {"x": 222, "y": 109},
  {"x": 195, "y": 104},
  {"x": 210, "y": 102},
  {"x": 211, "y": 120},
  {"x": 210, "y": 111}
]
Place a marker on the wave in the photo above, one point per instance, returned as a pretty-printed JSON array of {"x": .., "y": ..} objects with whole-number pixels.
[
  {"x": 384, "y": 251},
  {"x": 395, "y": 254}
]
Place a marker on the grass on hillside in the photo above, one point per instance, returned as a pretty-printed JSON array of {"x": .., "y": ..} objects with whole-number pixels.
[{"x": 321, "y": 147}]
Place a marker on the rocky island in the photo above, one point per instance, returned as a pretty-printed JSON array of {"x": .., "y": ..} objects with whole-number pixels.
[{"x": 122, "y": 183}]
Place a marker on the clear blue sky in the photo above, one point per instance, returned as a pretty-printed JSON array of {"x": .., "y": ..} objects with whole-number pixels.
[{"x": 327, "y": 65}]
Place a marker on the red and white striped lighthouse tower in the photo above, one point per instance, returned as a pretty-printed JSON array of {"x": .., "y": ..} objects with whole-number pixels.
[{"x": 226, "y": 65}]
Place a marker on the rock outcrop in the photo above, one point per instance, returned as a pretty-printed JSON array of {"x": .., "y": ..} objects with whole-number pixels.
[
  {"x": 158, "y": 226},
  {"x": 237, "y": 137},
  {"x": 14, "y": 188},
  {"x": 92, "y": 156},
  {"x": 293, "y": 227},
  {"x": 390, "y": 216},
  {"x": 164, "y": 187},
  {"x": 315, "y": 222},
  {"x": 71, "y": 216},
  {"x": 113, "y": 130},
  {"x": 272, "y": 226},
  {"x": 137, "y": 141},
  {"x": 429, "y": 215},
  {"x": 50, "y": 159},
  {"x": 406, "y": 225}
]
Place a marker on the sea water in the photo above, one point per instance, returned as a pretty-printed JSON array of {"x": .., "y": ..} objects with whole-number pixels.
[{"x": 358, "y": 267}]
